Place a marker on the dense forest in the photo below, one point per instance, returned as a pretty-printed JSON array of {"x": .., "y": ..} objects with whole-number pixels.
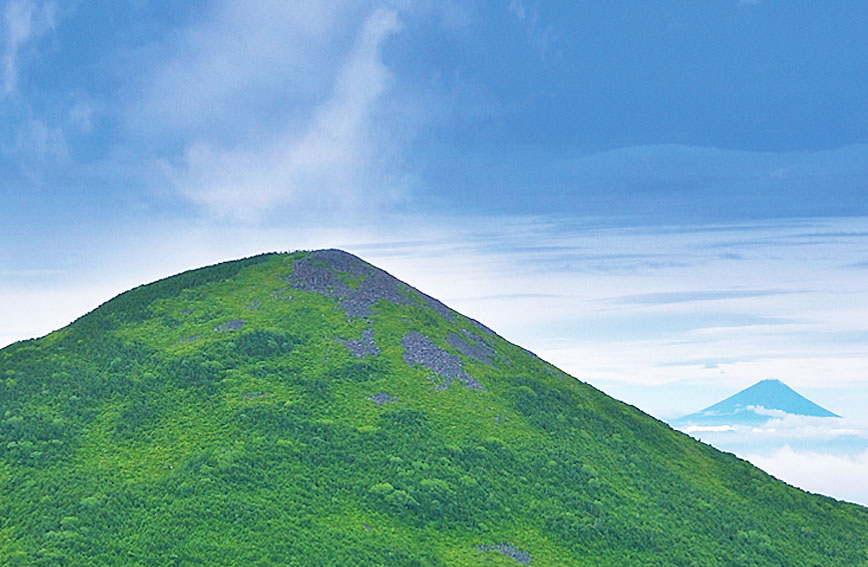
[{"x": 309, "y": 409}]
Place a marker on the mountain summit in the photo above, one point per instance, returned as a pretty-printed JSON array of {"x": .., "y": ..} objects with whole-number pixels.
[
  {"x": 309, "y": 409},
  {"x": 755, "y": 405}
]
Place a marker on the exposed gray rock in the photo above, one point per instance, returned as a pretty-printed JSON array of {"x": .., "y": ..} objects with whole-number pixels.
[
  {"x": 509, "y": 550},
  {"x": 382, "y": 398},
  {"x": 356, "y": 285},
  {"x": 341, "y": 261},
  {"x": 362, "y": 347},
  {"x": 419, "y": 349},
  {"x": 473, "y": 346},
  {"x": 253, "y": 395},
  {"x": 232, "y": 325},
  {"x": 189, "y": 339},
  {"x": 438, "y": 307},
  {"x": 254, "y": 304}
]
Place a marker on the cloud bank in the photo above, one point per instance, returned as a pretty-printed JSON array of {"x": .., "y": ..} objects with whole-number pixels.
[
  {"x": 824, "y": 473},
  {"x": 825, "y": 455}
]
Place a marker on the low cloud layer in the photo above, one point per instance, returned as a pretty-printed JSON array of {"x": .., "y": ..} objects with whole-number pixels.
[
  {"x": 825, "y": 455},
  {"x": 837, "y": 475},
  {"x": 797, "y": 431}
]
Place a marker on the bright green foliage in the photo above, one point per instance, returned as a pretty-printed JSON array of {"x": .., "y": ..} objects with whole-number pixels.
[{"x": 228, "y": 416}]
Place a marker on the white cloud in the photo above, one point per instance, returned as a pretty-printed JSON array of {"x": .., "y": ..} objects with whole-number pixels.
[
  {"x": 841, "y": 476},
  {"x": 708, "y": 428},
  {"x": 35, "y": 145},
  {"x": 329, "y": 161},
  {"x": 23, "y": 21},
  {"x": 819, "y": 454},
  {"x": 786, "y": 429},
  {"x": 768, "y": 412},
  {"x": 314, "y": 72},
  {"x": 239, "y": 62}
]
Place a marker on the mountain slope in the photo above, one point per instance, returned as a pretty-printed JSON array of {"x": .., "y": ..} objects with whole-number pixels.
[
  {"x": 310, "y": 409},
  {"x": 756, "y": 404}
]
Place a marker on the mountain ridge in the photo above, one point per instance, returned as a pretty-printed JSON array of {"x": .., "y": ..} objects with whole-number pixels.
[
  {"x": 308, "y": 408},
  {"x": 756, "y": 404}
]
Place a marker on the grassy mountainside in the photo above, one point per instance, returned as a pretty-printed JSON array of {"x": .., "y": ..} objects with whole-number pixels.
[{"x": 309, "y": 409}]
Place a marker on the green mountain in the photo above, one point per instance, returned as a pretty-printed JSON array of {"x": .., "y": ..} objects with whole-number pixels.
[
  {"x": 309, "y": 409},
  {"x": 756, "y": 405}
]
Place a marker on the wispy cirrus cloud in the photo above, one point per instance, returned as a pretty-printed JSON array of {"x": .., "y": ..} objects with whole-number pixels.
[
  {"x": 34, "y": 147},
  {"x": 332, "y": 160},
  {"x": 23, "y": 22},
  {"x": 239, "y": 68},
  {"x": 275, "y": 105},
  {"x": 663, "y": 298}
]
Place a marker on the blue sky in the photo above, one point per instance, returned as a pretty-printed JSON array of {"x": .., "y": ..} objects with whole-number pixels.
[{"x": 667, "y": 199}]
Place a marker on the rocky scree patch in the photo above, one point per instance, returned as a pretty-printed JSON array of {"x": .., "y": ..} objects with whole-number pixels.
[
  {"x": 382, "y": 398},
  {"x": 364, "y": 347},
  {"x": 356, "y": 285},
  {"x": 419, "y": 349},
  {"x": 472, "y": 346},
  {"x": 232, "y": 325},
  {"x": 509, "y": 550}
]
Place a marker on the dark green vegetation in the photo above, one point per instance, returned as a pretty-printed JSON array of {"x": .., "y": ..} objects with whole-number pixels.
[{"x": 308, "y": 409}]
